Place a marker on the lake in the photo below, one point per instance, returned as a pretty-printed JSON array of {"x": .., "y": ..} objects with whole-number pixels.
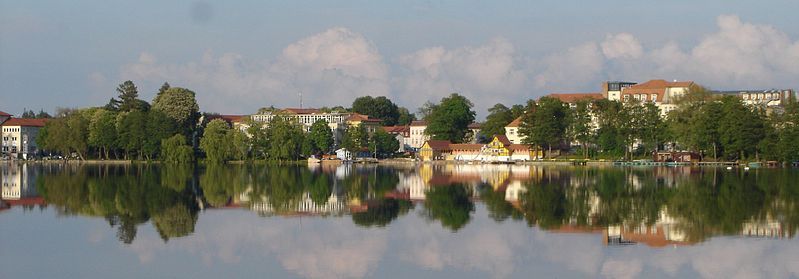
[{"x": 406, "y": 221}]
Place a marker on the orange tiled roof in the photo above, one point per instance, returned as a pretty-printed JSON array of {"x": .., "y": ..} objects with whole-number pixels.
[
  {"x": 25, "y": 122},
  {"x": 466, "y": 146},
  {"x": 515, "y": 123},
  {"x": 519, "y": 147},
  {"x": 362, "y": 118},
  {"x": 503, "y": 139},
  {"x": 574, "y": 97},
  {"x": 418, "y": 123},
  {"x": 405, "y": 130},
  {"x": 475, "y": 125},
  {"x": 439, "y": 144},
  {"x": 227, "y": 118}
]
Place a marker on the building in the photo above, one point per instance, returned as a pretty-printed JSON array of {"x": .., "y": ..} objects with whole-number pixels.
[
  {"x": 4, "y": 116},
  {"x": 417, "y": 137},
  {"x": 500, "y": 149},
  {"x": 402, "y": 134},
  {"x": 769, "y": 99},
  {"x": 235, "y": 121},
  {"x": 338, "y": 122},
  {"x": 660, "y": 92},
  {"x": 19, "y": 137},
  {"x": 474, "y": 131},
  {"x": 512, "y": 131},
  {"x": 573, "y": 98},
  {"x": 611, "y": 90}
]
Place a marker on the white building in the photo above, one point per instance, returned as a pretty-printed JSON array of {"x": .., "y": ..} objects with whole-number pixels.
[
  {"x": 660, "y": 92},
  {"x": 512, "y": 131},
  {"x": 19, "y": 137},
  {"x": 17, "y": 182},
  {"x": 336, "y": 121},
  {"x": 417, "y": 136},
  {"x": 611, "y": 90}
]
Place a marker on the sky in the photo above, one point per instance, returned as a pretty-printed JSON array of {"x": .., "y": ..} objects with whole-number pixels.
[{"x": 243, "y": 55}]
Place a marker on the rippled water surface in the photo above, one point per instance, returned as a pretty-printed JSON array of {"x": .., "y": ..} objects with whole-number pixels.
[{"x": 411, "y": 221}]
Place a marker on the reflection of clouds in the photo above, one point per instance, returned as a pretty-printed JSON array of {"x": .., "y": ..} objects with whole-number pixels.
[
  {"x": 621, "y": 269},
  {"x": 313, "y": 248},
  {"x": 482, "y": 247}
]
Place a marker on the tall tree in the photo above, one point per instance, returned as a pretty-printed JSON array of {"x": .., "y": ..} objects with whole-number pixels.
[
  {"x": 379, "y": 107},
  {"x": 545, "y": 123},
  {"x": 581, "y": 129},
  {"x": 216, "y": 141},
  {"x": 102, "y": 132},
  {"x": 450, "y": 119},
  {"x": 180, "y": 105},
  {"x": 128, "y": 100},
  {"x": 405, "y": 116},
  {"x": 132, "y": 132},
  {"x": 285, "y": 138},
  {"x": 159, "y": 126},
  {"x": 425, "y": 110},
  {"x": 383, "y": 143},
  {"x": 175, "y": 150},
  {"x": 741, "y": 128},
  {"x": 498, "y": 117},
  {"x": 320, "y": 137}
]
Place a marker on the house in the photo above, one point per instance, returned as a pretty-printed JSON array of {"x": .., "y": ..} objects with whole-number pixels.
[
  {"x": 660, "y": 92},
  {"x": 402, "y": 134},
  {"x": 19, "y": 136},
  {"x": 512, "y": 131},
  {"x": 768, "y": 99},
  {"x": 434, "y": 150},
  {"x": 573, "y": 98},
  {"x": 474, "y": 131},
  {"x": 611, "y": 90},
  {"x": 234, "y": 121},
  {"x": 370, "y": 124},
  {"x": 679, "y": 157},
  {"x": 417, "y": 137}
]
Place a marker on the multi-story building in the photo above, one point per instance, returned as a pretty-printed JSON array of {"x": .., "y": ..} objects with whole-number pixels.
[
  {"x": 769, "y": 99},
  {"x": 573, "y": 98},
  {"x": 402, "y": 134},
  {"x": 512, "y": 131},
  {"x": 417, "y": 136},
  {"x": 338, "y": 122},
  {"x": 660, "y": 92},
  {"x": 611, "y": 90},
  {"x": 4, "y": 116},
  {"x": 19, "y": 137}
]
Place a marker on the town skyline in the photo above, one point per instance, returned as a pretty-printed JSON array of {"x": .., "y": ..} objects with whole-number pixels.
[{"x": 335, "y": 58}]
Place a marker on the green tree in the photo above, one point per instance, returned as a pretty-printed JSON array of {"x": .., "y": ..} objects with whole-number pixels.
[
  {"x": 102, "y": 131},
  {"x": 159, "y": 126},
  {"x": 379, "y": 107},
  {"x": 216, "y": 141},
  {"x": 545, "y": 123},
  {"x": 131, "y": 131},
  {"x": 741, "y": 128},
  {"x": 498, "y": 117},
  {"x": 405, "y": 116},
  {"x": 241, "y": 145},
  {"x": 581, "y": 129},
  {"x": 355, "y": 138},
  {"x": 450, "y": 119},
  {"x": 449, "y": 204},
  {"x": 258, "y": 140},
  {"x": 128, "y": 99},
  {"x": 285, "y": 138},
  {"x": 320, "y": 137},
  {"x": 180, "y": 105},
  {"x": 383, "y": 143},
  {"x": 175, "y": 150}
]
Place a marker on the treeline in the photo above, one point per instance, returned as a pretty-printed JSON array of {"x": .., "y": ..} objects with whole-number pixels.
[
  {"x": 721, "y": 127},
  {"x": 127, "y": 127}
]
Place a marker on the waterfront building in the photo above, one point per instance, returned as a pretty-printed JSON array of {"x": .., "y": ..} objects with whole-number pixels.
[
  {"x": 19, "y": 137},
  {"x": 500, "y": 149},
  {"x": 337, "y": 121},
  {"x": 418, "y": 137},
  {"x": 660, "y": 92},
  {"x": 512, "y": 131},
  {"x": 402, "y": 134}
]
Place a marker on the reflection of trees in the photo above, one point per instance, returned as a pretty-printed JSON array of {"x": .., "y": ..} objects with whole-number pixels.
[
  {"x": 126, "y": 196},
  {"x": 381, "y": 212},
  {"x": 449, "y": 204},
  {"x": 498, "y": 208}
]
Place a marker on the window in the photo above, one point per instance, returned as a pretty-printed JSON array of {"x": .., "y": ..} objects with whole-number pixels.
[
  {"x": 654, "y": 97},
  {"x": 626, "y": 98}
]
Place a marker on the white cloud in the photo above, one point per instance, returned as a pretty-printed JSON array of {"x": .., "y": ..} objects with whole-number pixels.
[
  {"x": 571, "y": 69},
  {"x": 485, "y": 74},
  {"x": 332, "y": 67},
  {"x": 622, "y": 45}
]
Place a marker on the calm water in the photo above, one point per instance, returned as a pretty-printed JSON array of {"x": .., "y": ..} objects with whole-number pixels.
[{"x": 443, "y": 221}]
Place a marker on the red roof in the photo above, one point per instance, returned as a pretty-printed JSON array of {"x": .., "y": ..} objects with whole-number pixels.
[
  {"x": 302, "y": 110},
  {"x": 362, "y": 118},
  {"x": 660, "y": 84},
  {"x": 574, "y": 97},
  {"x": 404, "y": 130},
  {"x": 418, "y": 123},
  {"x": 439, "y": 144},
  {"x": 516, "y": 122},
  {"x": 475, "y": 125},
  {"x": 3, "y": 113},
  {"x": 503, "y": 139},
  {"x": 519, "y": 147},
  {"x": 25, "y": 122}
]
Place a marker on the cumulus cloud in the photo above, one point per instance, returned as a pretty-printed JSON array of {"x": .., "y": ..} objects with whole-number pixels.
[
  {"x": 335, "y": 66},
  {"x": 329, "y": 68},
  {"x": 486, "y": 74}
]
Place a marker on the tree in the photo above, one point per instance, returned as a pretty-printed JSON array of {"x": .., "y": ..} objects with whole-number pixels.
[
  {"x": 175, "y": 150},
  {"x": 216, "y": 141},
  {"x": 320, "y": 137},
  {"x": 545, "y": 123},
  {"x": 131, "y": 131},
  {"x": 103, "y": 132},
  {"x": 379, "y": 107},
  {"x": 740, "y": 128},
  {"x": 425, "y": 110},
  {"x": 180, "y": 105},
  {"x": 612, "y": 118},
  {"x": 128, "y": 99},
  {"x": 383, "y": 143},
  {"x": 161, "y": 91},
  {"x": 258, "y": 141},
  {"x": 77, "y": 135},
  {"x": 240, "y": 142},
  {"x": 449, "y": 204},
  {"x": 581, "y": 129},
  {"x": 355, "y": 138},
  {"x": 285, "y": 138},
  {"x": 159, "y": 126},
  {"x": 450, "y": 119},
  {"x": 498, "y": 117},
  {"x": 28, "y": 113},
  {"x": 405, "y": 117}
]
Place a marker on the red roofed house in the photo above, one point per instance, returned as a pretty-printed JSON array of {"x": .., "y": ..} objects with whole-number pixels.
[
  {"x": 19, "y": 137},
  {"x": 660, "y": 92},
  {"x": 401, "y": 133},
  {"x": 500, "y": 149},
  {"x": 512, "y": 131}
]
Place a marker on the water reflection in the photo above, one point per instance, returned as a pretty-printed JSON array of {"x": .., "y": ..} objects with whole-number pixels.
[{"x": 653, "y": 206}]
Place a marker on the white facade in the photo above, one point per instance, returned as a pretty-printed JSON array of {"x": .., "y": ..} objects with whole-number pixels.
[
  {"x": 19, "y": 140},
  {"x": 417, "y": 137},
  {"x": 17, "y": 182}
]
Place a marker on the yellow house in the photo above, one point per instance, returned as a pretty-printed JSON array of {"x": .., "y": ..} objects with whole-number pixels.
[{"x": 434, "y": 150}]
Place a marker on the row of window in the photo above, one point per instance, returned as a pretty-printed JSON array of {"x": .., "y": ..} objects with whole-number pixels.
[
  {"x": 10, "y": 129},
  {"x": 761, "y": 96},
  {"x": 641, "y": 97},
  {"x": 12, "y": 138}
]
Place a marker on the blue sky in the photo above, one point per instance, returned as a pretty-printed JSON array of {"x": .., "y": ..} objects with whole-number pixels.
[{"x": 239, "y": 56}]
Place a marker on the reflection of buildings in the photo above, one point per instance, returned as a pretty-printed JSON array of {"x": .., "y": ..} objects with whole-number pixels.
[
  {"x": 334, "y": 205},
  {"x": 665, "y": 231},
  {"x": 767, "y": 227},
  {"x": 18, "y": 187}
]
